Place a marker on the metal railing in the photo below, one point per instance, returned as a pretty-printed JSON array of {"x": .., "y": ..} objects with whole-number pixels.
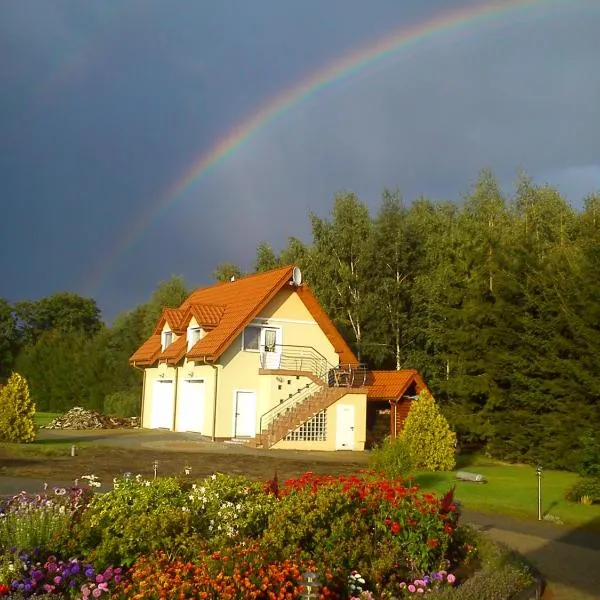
[
  {"x": 308, "y": 359},
  {"x": 288, "y": 404}
]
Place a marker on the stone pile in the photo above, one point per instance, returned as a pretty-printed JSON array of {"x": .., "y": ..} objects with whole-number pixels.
[{"x": 82, "y": 418}]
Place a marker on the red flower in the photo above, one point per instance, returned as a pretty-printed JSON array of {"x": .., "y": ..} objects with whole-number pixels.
[
  {"x": 432, "y": 543},
  {"x": 395, "y": 528}
]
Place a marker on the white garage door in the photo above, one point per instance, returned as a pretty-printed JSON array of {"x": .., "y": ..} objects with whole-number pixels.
[
  {"x": 162, "y": 404},
  {"x": 190, "y": 406}
]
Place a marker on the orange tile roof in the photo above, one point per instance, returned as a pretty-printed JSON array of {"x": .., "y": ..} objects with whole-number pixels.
[
  {"x": 148, "y": 352},
  {"x": 175, "y": 351},
  {"x": 391, "y": 385},
  {"x": 225, "y": 309},
  {"x": 206, "y": 315},
  {"x": 173, "y": 317}
]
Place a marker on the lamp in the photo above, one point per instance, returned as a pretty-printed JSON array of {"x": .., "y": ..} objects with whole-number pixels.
[{"x": 311, "y": 585}]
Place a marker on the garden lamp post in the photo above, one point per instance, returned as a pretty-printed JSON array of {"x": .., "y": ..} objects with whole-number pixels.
[
  {"x": 538, "y": 472},
  {"x": 311, "y": 585}
]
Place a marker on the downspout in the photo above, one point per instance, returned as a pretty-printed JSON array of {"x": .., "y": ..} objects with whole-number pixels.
[
  {"x": 143, "y": 393},
  {"x": 215, "y": 396},
  {"x": 175, "y": 399}
]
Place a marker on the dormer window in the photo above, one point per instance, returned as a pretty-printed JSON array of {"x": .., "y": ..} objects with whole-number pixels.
[
  {"x": 167, "y": 339},
  {"x": 194, "y": 335}
]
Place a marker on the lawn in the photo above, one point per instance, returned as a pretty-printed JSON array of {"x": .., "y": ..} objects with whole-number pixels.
[
  {"x": 43, "y": 418},
  {"x": 512, "y": 490}
]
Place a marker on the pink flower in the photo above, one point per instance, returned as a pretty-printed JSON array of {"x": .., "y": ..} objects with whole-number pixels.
[
  {"x": 420, "y": 590},
  {"x": 451, "y": 578},
  {"x": 412, "y": 588}
]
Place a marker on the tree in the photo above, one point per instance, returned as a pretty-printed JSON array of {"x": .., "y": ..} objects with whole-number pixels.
[
  {"x": 340, "y": 263},
  {"x": 391, "y": 273},
  {"x": 65, "y": 311},
  {"x": 8, "y": 339},
  {"x": 226, "y": 270},
  {"x": 266, "y": 259},
  {"x": 17, "y": 411},
  {"x": 426, "y": 432},
  {"x": 169, "y": 294}
]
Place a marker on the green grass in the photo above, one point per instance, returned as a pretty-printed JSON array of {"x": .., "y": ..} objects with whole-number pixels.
[
  {"x": 512, "y": 490},
  {"x": 43, "y": 418}
]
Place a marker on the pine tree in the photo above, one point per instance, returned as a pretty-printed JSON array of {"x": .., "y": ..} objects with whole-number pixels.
[
  {"x": 428, "y": 436},
  {"x": 16, "y": 411}
]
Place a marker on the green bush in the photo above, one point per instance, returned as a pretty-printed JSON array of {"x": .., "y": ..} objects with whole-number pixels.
[
  {"x": 17, "y": 411},
  {"x": 392, "y": 458},
  {"x": 122, "y": 404},
  {"x": 584, "y": 486},
  {"x": 500, "y": 573},
  {"x": 590, "y": 455},
  {"x": 428, "y": 437},
  {"x": 137, "y": 517}
]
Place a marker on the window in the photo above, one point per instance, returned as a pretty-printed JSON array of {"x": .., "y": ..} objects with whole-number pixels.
[
  {"x": 314, "y": 430},
  {"x": 195, "y": 334},
  {"x": 270, "y": 340},
  {"x": 167, "y": 339},
  {"x": 251, "y": 338}
]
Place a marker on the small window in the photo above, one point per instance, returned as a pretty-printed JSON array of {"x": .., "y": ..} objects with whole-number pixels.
[
  {"x": 251, "y": 337},
  {"x": 167, "y": 339},
  {"x": 195, "y": 334}
]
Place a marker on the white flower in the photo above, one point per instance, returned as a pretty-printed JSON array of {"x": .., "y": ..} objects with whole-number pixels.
[{"x": 213, "y": 476}]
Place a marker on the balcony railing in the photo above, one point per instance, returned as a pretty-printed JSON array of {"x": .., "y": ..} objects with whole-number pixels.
[{"x": 308, "y": 359}]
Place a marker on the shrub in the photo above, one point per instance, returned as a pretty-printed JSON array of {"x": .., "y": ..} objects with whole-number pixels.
[
  {"x": 137, "y": 517},
  {"x": 590, "y": 455},
  {"x": 383, "y": 528},
  {"x": 17, "y": 411},
  {"x": 584, "y": 486},
  {"x": 122, "y": 404},
  {"x": 428, "y": 437},
  {"x": 229, "y": 507},
  {"x": 392, "y": 458}
]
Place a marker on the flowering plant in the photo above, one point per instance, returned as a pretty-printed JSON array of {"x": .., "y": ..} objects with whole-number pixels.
[{"x": 72, "y": 578}]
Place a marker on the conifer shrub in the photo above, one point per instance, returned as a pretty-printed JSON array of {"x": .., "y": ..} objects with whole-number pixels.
[
  {"x": 17, "y": 411},
  {"x": 428, "y": 437}
]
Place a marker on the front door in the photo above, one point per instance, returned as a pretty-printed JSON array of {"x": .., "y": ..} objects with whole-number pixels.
[
  {"x": 162, "y": 404},
  {"x": 244, "y": 415},
  {"x": 344, "y": 431},
  {"x": 190, "y": 406}
]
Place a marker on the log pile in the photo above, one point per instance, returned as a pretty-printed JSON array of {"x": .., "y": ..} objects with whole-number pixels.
[{"x": 82, "y": 418}]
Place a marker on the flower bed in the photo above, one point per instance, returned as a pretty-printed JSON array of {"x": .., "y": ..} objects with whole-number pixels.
[{"x": 364, "y": 536}]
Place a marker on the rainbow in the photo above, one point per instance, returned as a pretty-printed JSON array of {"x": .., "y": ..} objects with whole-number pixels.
[{"x": 337, "y": 71}]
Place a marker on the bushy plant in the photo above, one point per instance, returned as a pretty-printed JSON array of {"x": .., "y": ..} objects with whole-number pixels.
[
  {"x": 41, "y": 521},
  {"x": 584, "y": 486},
  {"x": 229, "y": 507},
  {"x": 17, "y": 411},
  {"x": 590, "y": 455},
  {"x": 136, "y": 517},
  {"x": 383, "y": 528},
  {"x": 238, "y": 574},
  {"x": 62, "y": 578},
  {"x": 428, "y": 437},
  {"x": 122, "y": 404},
  {"x": 392, "y": 458}
]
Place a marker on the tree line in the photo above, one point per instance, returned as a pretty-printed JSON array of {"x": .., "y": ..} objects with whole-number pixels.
[{"x": 493, "y": 300}]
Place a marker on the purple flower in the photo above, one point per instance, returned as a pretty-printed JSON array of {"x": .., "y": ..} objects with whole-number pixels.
[
  {"x": 57, "y": 580},
  {"x": 74, "y": 568},
  {"x": 89, "y": 572},
  {"x": 117, "y": 578}
]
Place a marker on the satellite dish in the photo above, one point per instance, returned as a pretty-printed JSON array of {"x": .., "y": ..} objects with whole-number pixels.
[{"x": 297, "y": 276}]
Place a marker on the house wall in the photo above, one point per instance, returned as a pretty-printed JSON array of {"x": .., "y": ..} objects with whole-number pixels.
[
  {"x": 359, "y": 401},
  {"x": 240, "y": 369}
]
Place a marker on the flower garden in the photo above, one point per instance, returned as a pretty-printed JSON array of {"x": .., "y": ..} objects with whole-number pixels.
[{"x": 363, "y": 536}]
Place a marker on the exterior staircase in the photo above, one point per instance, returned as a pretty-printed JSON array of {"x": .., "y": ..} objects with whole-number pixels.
[{"x": 294, "y": 412}]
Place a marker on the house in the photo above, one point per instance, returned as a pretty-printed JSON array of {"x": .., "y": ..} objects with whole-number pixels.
[{"x": 258, "y": 359}]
